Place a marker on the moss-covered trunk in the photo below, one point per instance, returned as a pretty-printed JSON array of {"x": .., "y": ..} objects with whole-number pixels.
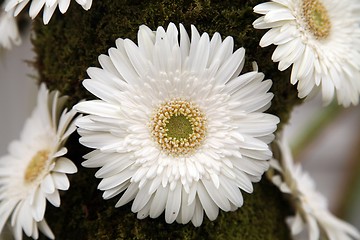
[{"x": 71, "y": 43}]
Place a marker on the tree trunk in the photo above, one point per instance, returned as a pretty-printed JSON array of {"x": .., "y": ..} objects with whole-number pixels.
[{"x": 72, "y": 42}]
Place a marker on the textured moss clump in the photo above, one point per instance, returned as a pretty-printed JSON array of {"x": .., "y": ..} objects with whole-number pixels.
[{"x": 72, "y": 42}]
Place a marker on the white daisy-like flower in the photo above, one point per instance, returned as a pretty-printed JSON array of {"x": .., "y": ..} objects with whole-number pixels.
[
  {"x": 176, "y": 127},
  {"x": 35, "y": 168},
  {"x": 49, "y": 7},
  {"x": 321, "y": 40},
  {"x": 9, "y": 30},
  {"x": 311, "y": 208}
]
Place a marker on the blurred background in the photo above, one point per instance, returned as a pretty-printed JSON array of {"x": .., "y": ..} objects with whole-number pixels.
[{"x": 325, "y": 140}]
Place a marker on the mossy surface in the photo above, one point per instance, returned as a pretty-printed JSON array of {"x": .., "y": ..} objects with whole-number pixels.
[{"x": 72, "y": 42}]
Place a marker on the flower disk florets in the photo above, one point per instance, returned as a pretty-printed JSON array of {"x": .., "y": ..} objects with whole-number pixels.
[
  {"x": 179, "y": 127},
  {"x": 36, "y": 166},
  {"x": 316, "y": 18}
]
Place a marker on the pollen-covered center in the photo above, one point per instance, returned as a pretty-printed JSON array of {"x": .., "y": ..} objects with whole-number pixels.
[
  {"x": 317, "y": 18},
  {"x": 179, "y": 127},
  {"x": 36, "y": 166}
]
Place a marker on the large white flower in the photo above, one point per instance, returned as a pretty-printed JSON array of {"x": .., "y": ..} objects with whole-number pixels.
[
  {"x": 49, "y": 7},
  {"x": 35, "y": 168},
  {"x": 9, "y": 30},
  {"x": 311, "y": 208},
  {"x": 321, "y": 39},
  {"x": 177, "y": 128}
]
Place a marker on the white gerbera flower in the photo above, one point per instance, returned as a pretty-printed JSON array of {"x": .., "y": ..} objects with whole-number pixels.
[
  {"x": 321, "y": 39},
  {"x": 310, "y": 206},
  {"x": 177, "y": 128},
  {"x": 35, "y": 169},
  {"x": 9, "y": 30},
  {"x": 49, "y": 7}
]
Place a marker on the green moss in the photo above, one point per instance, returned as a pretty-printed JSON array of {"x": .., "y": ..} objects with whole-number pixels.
[{"x": 72, "y": 42}]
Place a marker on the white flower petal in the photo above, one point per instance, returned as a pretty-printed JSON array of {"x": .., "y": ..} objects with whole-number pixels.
[
  {"x": 208, "y": 204},
  {"x": 44, "y": 227},
  {"x": 64, "y": 5},
  {"x": 279, "y": 15},
  {"x": 48, "y": 185},
  {"x": 65, "y": 165},
  {"x": 198, "y": 214},
  {"x": 141, "y": 199},
  {"x": 264, "y": 8},
  {"x": 39, "y": 210},
  {"x": 296, "y": 225},
  {"x": 25, "y": 219},
  {"x": 54, "y": 198},
  {"x": 112, "y": 192},
  {"x": 232, "y": 192},
  {"x": 137, "y": 60},
  {"x": 61, "y": 181},
  {"x": 159, "y": 203},
  {"x": 231, "y": 65},
  {"x": 122, "y": 62},
  {"x": 219, "y": 199},
  {"x": 35, "y": 7},
  {"x": 48, "y": 12},
  {"x": 187, "y": 210},
  {"x": 128, "y": 195},
  {"x": 113, "y": 181},
  {"x": 173, "y": 204},
  {"x": 98, "y": 108}
]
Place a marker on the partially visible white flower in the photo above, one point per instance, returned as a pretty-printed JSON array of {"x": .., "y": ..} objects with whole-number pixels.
[
  {"x": 311, "y": 208},
  {"x": 321, "y": 40},
  {"x": 9, "y": 32},
  {"x": 35, "y": 168},
  {"x": 177, "y": 128},
  {"x": 49, "y": 7}
]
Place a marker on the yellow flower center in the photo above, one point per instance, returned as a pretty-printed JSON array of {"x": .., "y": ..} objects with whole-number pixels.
[
  {"x": 316, "y": 18},
  {"x": 36, "y": 166},
  {"x": 179, "y": 127}
]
